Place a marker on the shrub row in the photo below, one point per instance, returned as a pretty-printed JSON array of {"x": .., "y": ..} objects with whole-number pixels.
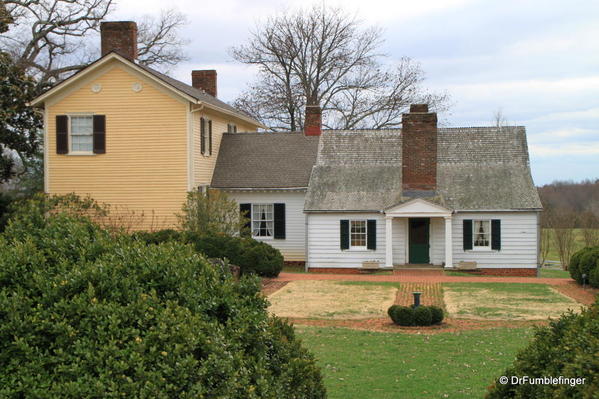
[
  {"x": 419, "y": 316},
  {"x": 85, "y": 313},
  {"x": 585, "y": 261},
  {"x": 567, "y": 347},
  {"x": 252, "y": 256}
]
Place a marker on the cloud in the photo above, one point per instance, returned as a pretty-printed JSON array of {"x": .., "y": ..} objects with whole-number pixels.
[{"x": 564, "y": 149}]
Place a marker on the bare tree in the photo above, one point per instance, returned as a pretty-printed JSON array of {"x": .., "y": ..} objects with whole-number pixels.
[
  {"x": 322, "y": 56},
  {"x": 546, "y": 241},
  {"x": 590, "y": 229},
  {"x": 499, "y": 119},
  {"x": 562, "y": 223},
  {"x": 50, "y": 39}
]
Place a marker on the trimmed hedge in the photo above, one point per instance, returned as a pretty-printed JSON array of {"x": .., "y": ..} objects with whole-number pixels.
[
  {"x": 568, "y": 347},
  {"x": 420, "y": 316},
  {"x": 585, "y": 261},
  {"x": 85, "y": 313},
  {"x": 252, "y": 256}
]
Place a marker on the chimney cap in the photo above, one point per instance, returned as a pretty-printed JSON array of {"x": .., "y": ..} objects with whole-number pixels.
[{"x": 419, "y": 108}]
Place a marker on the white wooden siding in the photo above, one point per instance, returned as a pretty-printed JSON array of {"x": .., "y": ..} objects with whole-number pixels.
[
  {"x": 324, "y": 241},
  {"x": 518, "y": 240},
  {"x": 293, "y": 247},
  {"x": 437, "y": 241},
  {"x": 400, "y": 228}
]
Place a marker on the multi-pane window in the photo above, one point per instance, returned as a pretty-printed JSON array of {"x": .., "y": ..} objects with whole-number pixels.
[
  {"x": 262, "y": 220},
  {"x": 231, "y": 128},
  {"x": 82, "y": 133},
  {"x": 481, "y": 233},
  {"x": 358, "y": 234}
]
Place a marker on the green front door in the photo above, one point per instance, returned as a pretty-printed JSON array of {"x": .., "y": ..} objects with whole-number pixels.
[{"x": 419, "y": 240}]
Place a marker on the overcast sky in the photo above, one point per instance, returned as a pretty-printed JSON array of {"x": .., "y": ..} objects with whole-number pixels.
[{"x": 537, "y": 61}]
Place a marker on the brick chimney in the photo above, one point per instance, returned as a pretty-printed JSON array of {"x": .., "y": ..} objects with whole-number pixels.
[
  {"x": 204, "y": 80},
  {"x": 119, "y": 36},
  {"x": 313, "y": 120},
  {"x": 419, "y": 148}
]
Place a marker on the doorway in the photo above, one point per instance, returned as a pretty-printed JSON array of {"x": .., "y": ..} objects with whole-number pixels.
[{"x": 419, "y": 246}]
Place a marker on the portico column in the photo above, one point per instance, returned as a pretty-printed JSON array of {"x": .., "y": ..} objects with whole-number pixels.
[
  {"x": 388, "y": 241},
  {"x": 448, "y": 243}
]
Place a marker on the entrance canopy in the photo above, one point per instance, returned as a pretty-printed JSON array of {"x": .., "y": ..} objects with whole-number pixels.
[{"x": 417, "y": 208}]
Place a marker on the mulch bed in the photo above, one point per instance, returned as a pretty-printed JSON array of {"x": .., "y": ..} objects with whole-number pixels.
[
  {"x": 272, "y": 285},
  {"x": 448, "y": 325},
  {"x": 573, "y": 290}
]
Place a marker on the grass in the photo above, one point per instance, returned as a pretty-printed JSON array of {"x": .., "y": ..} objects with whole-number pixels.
[
  {"x": 554, "y": 273},
  {"x": 507, "y": 301},
  {"x": 364, "y": 364}
]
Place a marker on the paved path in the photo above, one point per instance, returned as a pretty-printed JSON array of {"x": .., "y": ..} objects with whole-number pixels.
[{"x": 420, "y": 278}]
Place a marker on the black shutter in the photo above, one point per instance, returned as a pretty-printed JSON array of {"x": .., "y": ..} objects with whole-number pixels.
[
  {"x": 246, "y": 211},
  {"x": 62, "y": 134},
  {"x": 210, "y": 137},
  {"x": 344, "y": 234},
  {"x": 99, "y": 134},
  {"x": 279, "y": 221},
  {"x": 496, "y": 234},
  {"x": 202, "y": 136},
  {"x": 371, "y": 234},
  {"x": 467, "y": 234},
  {"x": 234, "y": 128}
]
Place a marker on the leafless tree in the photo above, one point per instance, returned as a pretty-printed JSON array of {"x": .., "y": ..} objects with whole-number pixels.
[
  {"x": 51, "y": 39},
  {"x": 322, "y": 56},
  {"x": 546, "y": 241},
  {"x": 562, "y": 223},
  {"x": 589, "y": 224},
  {"x": 499, "y": 119}
]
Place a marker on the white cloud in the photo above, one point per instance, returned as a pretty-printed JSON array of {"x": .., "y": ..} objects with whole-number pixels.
[{"x": 564, "y": 149}]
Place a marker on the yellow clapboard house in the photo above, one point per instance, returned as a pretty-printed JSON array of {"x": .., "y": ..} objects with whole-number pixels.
[{"x": 131, "y": 137}]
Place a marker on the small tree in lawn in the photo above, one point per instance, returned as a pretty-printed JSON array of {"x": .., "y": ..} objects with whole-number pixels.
[
  {"x": 212, "y": 212},
  {"x": 546, "y": 239},
  {"x": 589, "y": 224},
  {"x": 562, "y": 223}
]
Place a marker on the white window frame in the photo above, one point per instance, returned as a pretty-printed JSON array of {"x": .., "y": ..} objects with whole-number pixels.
[
  {"x": 70, "y": 134},
  {"x": 270, "y": 221},
  {"x": 474, "y": 233},
  {"x": 358, "y": 247}
]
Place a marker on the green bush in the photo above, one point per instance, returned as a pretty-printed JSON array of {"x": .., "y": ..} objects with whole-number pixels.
[
  {"x": 585, "y": 261},
  {"x": 87, "y": 313},
  {"x": 252, "y": 256},
  {"x": 568, "y": 347},
  {"x": 391, "y": 312},
  {"x": 404, "y": 316},
  {"x": 423, "y": 316},
  {"x": 437, "y": 315}
]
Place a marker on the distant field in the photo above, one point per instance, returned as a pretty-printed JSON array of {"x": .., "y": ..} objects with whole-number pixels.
[{"x": 579, "y": 244}]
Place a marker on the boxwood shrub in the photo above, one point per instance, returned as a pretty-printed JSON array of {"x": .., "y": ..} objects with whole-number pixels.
[
  {"x": 420, "y": 316},
  {"x": 585, "y": 261},
  {"x": 252, "y": 256},
  {"x": 567, "y": 347},
  {"x": 87, "y": 313}
]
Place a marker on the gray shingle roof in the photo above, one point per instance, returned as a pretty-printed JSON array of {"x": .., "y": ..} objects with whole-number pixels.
[
  {"x": 198, "y": 94},
  {"x": 477, "y": 169},
  {"x": 265, "y": 160}
]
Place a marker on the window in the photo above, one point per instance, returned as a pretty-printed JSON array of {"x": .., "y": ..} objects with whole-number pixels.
[
  {"x": 82, "y": 133},
  {"x": 262, "y": 220},
  {"x": 481, "y": 233},
  {"x": 231, "y": 128},
  {"x": 358, "y": 234}
]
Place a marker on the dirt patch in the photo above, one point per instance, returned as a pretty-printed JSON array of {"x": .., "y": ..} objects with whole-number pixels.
[
  {"x": 432, "y": 294},
  {"x": 331, "y": 300},
  {"x": 449, "y": 325},
  {"x": 585, "y": 296},
  {"x": 484, "y": 304}
]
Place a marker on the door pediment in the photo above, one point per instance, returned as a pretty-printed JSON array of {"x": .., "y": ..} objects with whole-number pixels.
[{"x": 418, "y": 208}]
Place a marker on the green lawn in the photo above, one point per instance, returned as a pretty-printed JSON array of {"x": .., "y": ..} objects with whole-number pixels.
[
  {"x": 374, "y": 365},
  {"x": 554, "y": 273}
]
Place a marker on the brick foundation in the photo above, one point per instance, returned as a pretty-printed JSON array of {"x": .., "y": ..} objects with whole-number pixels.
[
  {"x": 514, "y": 272},
  {"x": 336, "y": 270},
  {"x": 295, "y": 263}
]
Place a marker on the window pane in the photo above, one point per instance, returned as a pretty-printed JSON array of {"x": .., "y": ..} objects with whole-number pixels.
[
  {"x": 482, "y": 233},
  {"x": 358, "y": 233},
  {"x": 262, "y": 220},
  {"x": 82, "y": 128}
]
